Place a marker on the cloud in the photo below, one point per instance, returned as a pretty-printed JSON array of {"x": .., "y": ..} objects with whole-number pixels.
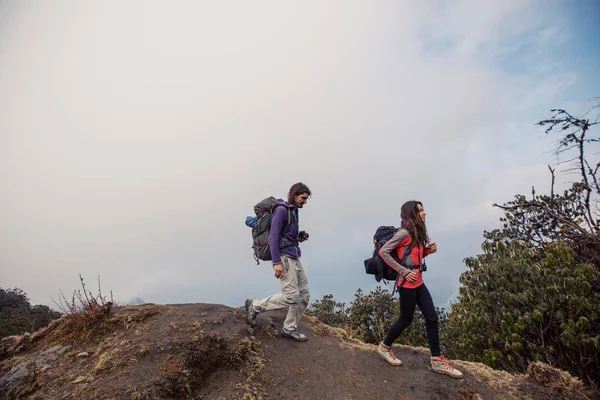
[{"x": 135, "y": 139}]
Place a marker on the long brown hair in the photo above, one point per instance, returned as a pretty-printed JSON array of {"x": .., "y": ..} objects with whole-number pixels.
[{"x": 409, "y": 215}]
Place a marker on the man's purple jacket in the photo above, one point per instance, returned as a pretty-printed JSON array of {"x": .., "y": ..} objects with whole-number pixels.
[{"x": 290, "y": 236}]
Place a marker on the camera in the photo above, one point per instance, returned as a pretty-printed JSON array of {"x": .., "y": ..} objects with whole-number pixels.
[{"x": 302, "y": 235}]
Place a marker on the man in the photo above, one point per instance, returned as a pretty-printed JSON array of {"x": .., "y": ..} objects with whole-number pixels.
[{"x": 285, "y": 252}]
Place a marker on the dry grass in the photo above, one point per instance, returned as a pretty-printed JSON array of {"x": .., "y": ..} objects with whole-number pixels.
[
  {"x": 245, "y": 348},
  {"x": 468, "y": 393},
  {"x": 256, "y": 366},
  {"x": 187, "y": 326},
  {"x": 559, "y": 380},
  {"x": 346, "y": 340},
  {"x": 501, "y": 381},
  {"x": 12, "y": 345},
  {"x": 141, "y": 394},
  {"x": 272, "y": 330},
  {"x": 110, "y": 345},
  {"x": 79, "y": 328},
  {"x": 83, "y": 379},
  {"x": 174, "y": 378},
  {"x": 91, "y": 319},
  {"x": 114, "y": 355},
  {"x": 143, "y": 350},
  {"x": 248, "y": 355},
  {"x": 205, "y": 353},
  {"x": 248, "y": 391},
  {"x": 138, "y": 317},
  {"x": 85, "y": 305},
  {"x": 321, "y": 329}
]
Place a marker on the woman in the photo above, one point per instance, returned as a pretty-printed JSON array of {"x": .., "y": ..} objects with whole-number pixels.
[{"x": 412, "y": 239}]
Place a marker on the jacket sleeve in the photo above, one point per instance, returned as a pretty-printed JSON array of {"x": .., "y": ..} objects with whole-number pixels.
[
  {"x": 386, "y": 251},
  {"x": 277, "y": 223}
]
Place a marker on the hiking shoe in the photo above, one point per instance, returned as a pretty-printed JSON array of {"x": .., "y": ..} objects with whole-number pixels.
[
  {"x": 388, "y": 355},
  {"x": 251, "y": 313},
  {"x": 441, "y": 366},
  {"x": 297, "y": 336}
]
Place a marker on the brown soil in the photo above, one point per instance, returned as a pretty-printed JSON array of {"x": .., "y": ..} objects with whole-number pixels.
[{"x": 207, "y": 351}]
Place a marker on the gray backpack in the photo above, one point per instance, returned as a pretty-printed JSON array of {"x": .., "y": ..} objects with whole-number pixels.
[{"x": 261, "y": 228}]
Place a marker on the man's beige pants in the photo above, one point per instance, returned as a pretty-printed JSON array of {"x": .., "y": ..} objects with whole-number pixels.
[{"x": 294, "y": 294}]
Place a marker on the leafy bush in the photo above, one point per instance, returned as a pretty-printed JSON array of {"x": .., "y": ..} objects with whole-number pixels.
[
  {"x": 369, "y": 317},
  {"x": 517, "y": 306},
  {"x": 18, "y": 316},
  {"x": 329, "y": 311},
  {"x": 534, "y": 293}
]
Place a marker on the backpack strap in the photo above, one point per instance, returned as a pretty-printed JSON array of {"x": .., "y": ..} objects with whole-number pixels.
[
  {"x": 283, "y": 242},
  {"x": 409, "y": 250},
  {"x": 406, "y": 254},
  {"x": 289, "y": 220}
]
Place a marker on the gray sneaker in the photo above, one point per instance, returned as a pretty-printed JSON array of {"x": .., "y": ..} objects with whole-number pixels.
[
  {"x": 297, "y": 336},
  {"x": 251, "y": 313}
]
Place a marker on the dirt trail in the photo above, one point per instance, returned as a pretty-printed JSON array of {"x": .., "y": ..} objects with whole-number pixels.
[{"x": 207, "y": 351}]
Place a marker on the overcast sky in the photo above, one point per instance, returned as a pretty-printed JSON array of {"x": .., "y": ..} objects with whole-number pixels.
[{"x": 136, "y": 136}]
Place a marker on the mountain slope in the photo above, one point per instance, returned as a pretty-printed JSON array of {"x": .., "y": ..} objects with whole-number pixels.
[{"x": 206, "y": 351}]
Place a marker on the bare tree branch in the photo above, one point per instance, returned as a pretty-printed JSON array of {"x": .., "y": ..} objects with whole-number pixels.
[{"x": 553, "y": 178}]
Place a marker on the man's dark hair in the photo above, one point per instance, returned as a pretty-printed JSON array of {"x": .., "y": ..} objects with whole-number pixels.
[{"x": 296, "y": 189}]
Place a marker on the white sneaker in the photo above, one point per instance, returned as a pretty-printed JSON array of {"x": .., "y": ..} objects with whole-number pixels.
[
  {"x": 441, "y": 366},
  {"x": 388, "y": 355}
]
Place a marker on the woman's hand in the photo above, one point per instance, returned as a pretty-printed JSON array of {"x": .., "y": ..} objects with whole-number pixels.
[
  {"x": 411, "y": 277},
  {"x": 432, "y": 247}
]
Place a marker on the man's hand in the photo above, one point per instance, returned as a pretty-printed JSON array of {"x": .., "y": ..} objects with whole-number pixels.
[
  {"x": 411, "y": 277},
  {"x": 278, "y": 271},
  {"x": 302, "y": 236}
]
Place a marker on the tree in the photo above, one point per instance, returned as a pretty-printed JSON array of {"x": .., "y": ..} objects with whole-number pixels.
[
  {"x": 14, "y": 311},
  {"x": 372, "y": 314},
  {"x": 40, "y": 316},
  {"x": 369, "y": 317},
  {"x": 17, "y": 316},
  {"x": 574, "y": 216},
  {"x": 329, "y": 311},
  {"x": 534, "y": 292},
  {"x": 517, "y": 306}
]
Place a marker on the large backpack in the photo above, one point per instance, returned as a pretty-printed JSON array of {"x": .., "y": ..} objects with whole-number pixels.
[
  {"x": 375, "y": 265},
  {"x": 261, "y": 228}
]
